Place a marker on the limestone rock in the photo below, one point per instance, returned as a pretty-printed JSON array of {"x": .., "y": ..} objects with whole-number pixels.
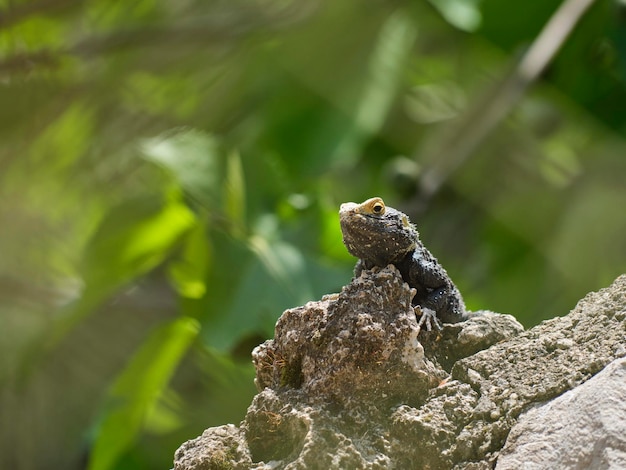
[
  {"x": 351, "y": 382},
  {"x": 583, "y": 428},
  {"x": 219, "y": 447},
  {"x": 362, "y": 346}
]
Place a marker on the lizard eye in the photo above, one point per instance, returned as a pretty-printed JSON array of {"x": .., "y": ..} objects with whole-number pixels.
[
  {"x": 374, "y": 206},
  {"x": 378, "y": 208}
]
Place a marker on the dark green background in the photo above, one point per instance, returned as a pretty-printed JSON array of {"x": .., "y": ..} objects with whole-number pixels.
[{"x": 170, "y": 175}]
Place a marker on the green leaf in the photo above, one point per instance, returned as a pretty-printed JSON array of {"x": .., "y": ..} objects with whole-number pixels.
[
  {"x": 386, "y": 65},
  {"x": 34, "y": 32},
  {"x": 285, "y": 265},
  {"x": 462, "y": 14},
  {"x": 64, "y": 141},
  {"x": 137, "y": 388},
  {"x": 188, "y": 272},
  {"x": 166, "y": 415},
  {"x": 132, "y": 239},
  {"x": 192, "y": 157},
  {"x": 275, "y": 280},
  {"x": 235, "y": 193}
]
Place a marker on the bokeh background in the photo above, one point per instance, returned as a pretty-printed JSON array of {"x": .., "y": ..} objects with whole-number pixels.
[{"x": 171, "y": 171}]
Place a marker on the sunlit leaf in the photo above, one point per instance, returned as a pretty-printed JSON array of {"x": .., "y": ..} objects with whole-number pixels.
[
  {"x": 284, "y": 263},
  {"x": 193, "y": 159},
  {"x": 188, "y": 271},
  {"x": 275, "y": 280},
  {"x": 235, "y": 192},
  {"x": 164, "y": 416},
  {"x": 137, "y": 388},
  {"x": 132, "y": 239},
  {"x": 560, "y": 165},
  {"x": 33, "y": 33},
  {"x": 462, "y": 14}
]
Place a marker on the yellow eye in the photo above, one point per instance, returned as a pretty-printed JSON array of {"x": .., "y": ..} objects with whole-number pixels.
[{"x": 374, "y": 206}]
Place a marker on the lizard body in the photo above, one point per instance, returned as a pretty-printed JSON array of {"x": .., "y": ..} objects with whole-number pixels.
[{"x": 379, "y": 235}]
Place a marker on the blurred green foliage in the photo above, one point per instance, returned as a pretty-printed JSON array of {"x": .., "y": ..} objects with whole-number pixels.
[{"x": 171, "y": 173}]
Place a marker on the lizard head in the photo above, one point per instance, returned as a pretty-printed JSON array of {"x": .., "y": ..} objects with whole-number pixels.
[{"x": 378, "y": 234}]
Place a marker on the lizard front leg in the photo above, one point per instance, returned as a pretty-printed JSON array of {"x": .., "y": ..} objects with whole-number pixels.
[{"x": 435, "y": 290}]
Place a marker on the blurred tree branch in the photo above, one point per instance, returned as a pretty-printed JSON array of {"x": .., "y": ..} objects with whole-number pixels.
[
  {"x": 16, "y": 13},
  {"x": 457, "y": 142},
  {"x": 204, "y": 30}
]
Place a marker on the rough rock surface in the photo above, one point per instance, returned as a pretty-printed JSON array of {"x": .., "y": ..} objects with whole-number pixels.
[
  {"x": 340, "y": 349},
  {"x": 583, "y": 428},
  {"x": 351, "y": 382}
]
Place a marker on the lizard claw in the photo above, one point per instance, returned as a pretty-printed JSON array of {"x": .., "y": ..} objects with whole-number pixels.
[{"x": 428, "y": 317}]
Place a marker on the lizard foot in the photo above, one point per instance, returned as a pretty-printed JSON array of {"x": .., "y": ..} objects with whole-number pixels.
[{"x": 428, "y": 317}]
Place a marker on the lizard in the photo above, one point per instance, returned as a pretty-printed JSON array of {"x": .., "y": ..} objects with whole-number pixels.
[{"x": 379, "y": 235}]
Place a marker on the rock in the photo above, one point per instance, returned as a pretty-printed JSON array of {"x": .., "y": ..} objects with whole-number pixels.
[
  {"x": 360, "y": 346},
  {"x": 583, "y": 428},
  {"x": 220, "y": 447},
  {"x": 458, "y": 340},
  {"x": 351, "y": 382}
]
